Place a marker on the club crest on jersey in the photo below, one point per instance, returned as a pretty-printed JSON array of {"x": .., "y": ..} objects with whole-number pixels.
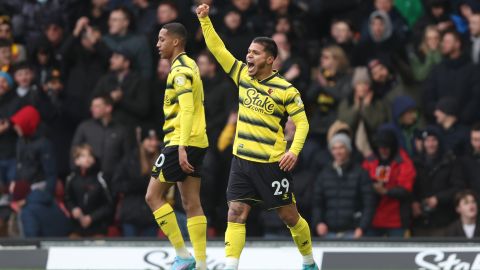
[{"x": 258, "y": 102}]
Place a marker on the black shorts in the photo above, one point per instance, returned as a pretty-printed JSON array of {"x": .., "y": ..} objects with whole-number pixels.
[
  {"x": 254, "y": 182},
  {"x": 167, "y": 168}
]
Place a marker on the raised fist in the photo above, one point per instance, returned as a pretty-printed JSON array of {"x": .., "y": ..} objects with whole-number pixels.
[{"x": 202, "y": 10}]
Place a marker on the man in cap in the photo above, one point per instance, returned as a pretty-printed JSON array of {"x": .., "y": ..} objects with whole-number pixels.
[{"x": 454, "y": 133}]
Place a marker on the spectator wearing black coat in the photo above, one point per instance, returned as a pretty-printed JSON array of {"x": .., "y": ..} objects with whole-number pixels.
[
  {"x": 132, "y": 179},
  {"x": 87, "y": 58},
  {"x": 235, "y": 33},
  {"x": 119, "y": 37},
  {"x": 219, "y": 96},
  {"x": 145, "y": 14},
  {"x": 32, "y": 94},
  {"x": 468, "y": 168},
  {"x": 454, "y": 77},
  {"x": 10, "y": 103},
  {"x": 437, "y": 13},
  {"x": 219, "y": 102},
  {"x": 87, "y": 196},
  {"x": 435, "y": 186},
  {"x": 467, "y": 225},
  {"x": 108, "y": 139},
  {"x": 291, "y": 64},
  {"x": 455, "y": 134},
  {"x": 128, "y": 90},
  {"x": 35, "y": 157},
  {"x": 343, "y": 202},
  {"x": 342, "y": 35}
]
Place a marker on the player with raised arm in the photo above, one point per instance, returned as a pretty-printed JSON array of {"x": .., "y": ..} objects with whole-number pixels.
[
  {"x": 261, "y": 165},
  {"x": 185, "y": 145}
]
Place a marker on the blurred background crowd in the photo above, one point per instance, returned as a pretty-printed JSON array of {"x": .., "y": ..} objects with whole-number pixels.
[{"x": 391, "y": 89}]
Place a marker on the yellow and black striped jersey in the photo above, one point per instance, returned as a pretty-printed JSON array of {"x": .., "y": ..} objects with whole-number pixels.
[
  {"x": 183, "y": 105},
  {"x": 264, "y": 107}
]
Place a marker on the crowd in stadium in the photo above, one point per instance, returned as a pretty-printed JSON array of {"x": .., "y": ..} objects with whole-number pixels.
[{"x": 391, "y": 89}]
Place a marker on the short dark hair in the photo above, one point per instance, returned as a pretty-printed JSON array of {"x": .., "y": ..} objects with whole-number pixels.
[
  {"x": 126, "y": 12},
  {"x": 22, "y": 65},
  {"x": 269, "y": 45},
  {"x": 476, "y": 127},
  {"x": 177, "y": 29},
  {"x": 462, "y": 195},
  {"x": 208, "y": 55},
  {"x": 106, "y": 98},
  {"x": 455, "y": 34},
  {"x": 5, "y": 43},
  {"x": 343, "y": 20},
  {"x": 169, "y": 3}
]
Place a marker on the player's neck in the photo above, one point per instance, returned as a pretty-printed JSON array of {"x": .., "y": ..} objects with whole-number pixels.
[
  {"x": 262, "y": 75},
  {"x": 175, "y": 54}
]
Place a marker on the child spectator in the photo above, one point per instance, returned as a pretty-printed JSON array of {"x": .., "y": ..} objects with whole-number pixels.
[
  {"x": 87, "y": 196},
  {"x": 467, "y": 225}
]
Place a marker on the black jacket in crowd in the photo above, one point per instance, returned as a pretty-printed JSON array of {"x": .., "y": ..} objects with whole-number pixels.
[
  {"x": 436, "y": 178},
  {"x": 457, "y": 78},
  {"x": 110, "y": 143},
  {"x": 90, "y": 193},
  {"x": 129, "y": 181},
  {"x": 85, "y": 69},
  {"x": 10, "y": 103},
  {"x": 456, "y": 138},
  {"x": 468, "y": 170},
  {"x": 134, "y": 105},
  {"x": 343, "y": 200},
  {"x": 36, "y": 161},
  {"x": 219, "y": 102},
  {"x": 456, "y": 230}
]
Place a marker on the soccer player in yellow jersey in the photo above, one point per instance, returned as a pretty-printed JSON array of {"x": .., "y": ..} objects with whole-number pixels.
[
  {"x": 261, "y": 164},
  {"x": 185, "y": 145}
]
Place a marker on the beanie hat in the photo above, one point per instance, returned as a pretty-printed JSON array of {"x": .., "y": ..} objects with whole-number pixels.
[
  {"x": 341, "y": 138},
  {"x": 8, "y": 78},
  {"x": 148, "y": 133},
  {"x": 27, "y": 119},
  {"x": 360, "y": 75},
  {"x": 448, "y": 105},
  {"x": 431, "y": 130}
]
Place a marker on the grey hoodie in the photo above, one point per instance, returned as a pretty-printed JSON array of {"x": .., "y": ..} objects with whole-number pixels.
[{"x": 388, "y": 25}]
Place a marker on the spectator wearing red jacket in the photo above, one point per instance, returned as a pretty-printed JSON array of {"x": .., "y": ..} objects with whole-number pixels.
[{"x": 393, "y": 175}]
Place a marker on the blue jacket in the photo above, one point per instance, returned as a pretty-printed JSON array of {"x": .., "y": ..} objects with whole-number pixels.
[
  {"x": 41, "y": 217},
  {"x": 405, "y": 135}
]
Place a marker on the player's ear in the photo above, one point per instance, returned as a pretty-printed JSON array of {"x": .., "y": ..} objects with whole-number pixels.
[
  {"x": 270, "y": 60},
  {"x": 176, "y": 41}
]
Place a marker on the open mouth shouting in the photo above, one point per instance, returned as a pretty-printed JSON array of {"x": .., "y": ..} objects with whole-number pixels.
[{"x": 252, "y": 68}]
